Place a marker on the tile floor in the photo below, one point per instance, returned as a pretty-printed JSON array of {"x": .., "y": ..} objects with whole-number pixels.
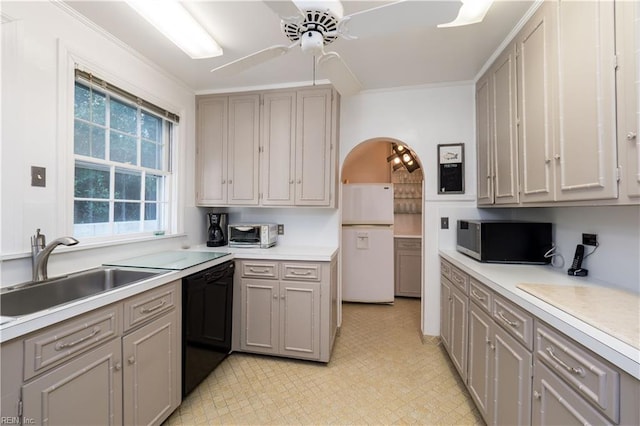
[{"x": 380, "y": 373}]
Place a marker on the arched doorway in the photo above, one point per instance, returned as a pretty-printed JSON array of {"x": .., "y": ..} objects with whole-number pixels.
[{"x": 376, "y": 161}]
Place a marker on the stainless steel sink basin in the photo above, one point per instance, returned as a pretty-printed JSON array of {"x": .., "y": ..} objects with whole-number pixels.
[{"x": 36, "y": 296}]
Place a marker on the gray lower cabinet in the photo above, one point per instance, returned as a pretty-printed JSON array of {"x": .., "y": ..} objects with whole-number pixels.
[
  {"x": 287, "y": 308},
  {"x": 499, "y": 371},
  {"x": 84, "y": 391},
  {"x": 519, "y": 370},
  {"x": 454, "y": 308},
  {"x": 116, "y": 365},
  {"x": 408, "y": 267},
  {"x": 150, "y": 369}
]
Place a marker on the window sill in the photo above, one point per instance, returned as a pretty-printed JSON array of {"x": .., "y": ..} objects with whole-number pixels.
[{"x": 92, "y": 245}]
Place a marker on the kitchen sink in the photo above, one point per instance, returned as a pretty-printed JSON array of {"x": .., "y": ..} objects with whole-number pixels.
[{"x": 32, "y": 297}]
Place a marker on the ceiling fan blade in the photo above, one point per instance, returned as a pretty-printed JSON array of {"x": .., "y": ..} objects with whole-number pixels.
[
  {"x": 284, "y": 8},
  {"x": 333, "y": 67},
  {"x": 392, "y": 17},
  {"x": 239, "y": 65}
]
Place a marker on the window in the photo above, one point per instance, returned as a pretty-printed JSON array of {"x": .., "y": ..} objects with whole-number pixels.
[{"x": 122, "y": 149}]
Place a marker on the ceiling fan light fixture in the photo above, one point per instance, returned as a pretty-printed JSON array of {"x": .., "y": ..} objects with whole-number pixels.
[
  {"x": 471, "y": 12},
  {"x": 312, "y": 42},
  {"x": 332, "y": 6},
  {"x": 176, "y": 23}
]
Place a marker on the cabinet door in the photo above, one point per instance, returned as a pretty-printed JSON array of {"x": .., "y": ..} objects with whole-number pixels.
[
  {"x": 458, "y": 342},
  {"x": 408, "y": 267},
  {"x": 445, "y": 313},
  {"x": 278, "y": 148},
  {"x": 536, "y": 70},
  {"x": 512, "y": 377},
  {"x": 243, "y": 146},
  {"x": 84, "y": 391},
  {"x": 629, "y": 96},
  {"x": 555, "y": 403},
  {"x": 483, "y": 129},
  {"x": 300, "y": 319},
  {"x": 505, "y": 141},
  {"x": 211, "y": 150},
  {"x": 586, "y": 138},
  {"x": 151, "y": 375},
  {"x": 480, "y": 373},
  {"x": 259, "y": 316},
  {"x": 314, "y": 153}
]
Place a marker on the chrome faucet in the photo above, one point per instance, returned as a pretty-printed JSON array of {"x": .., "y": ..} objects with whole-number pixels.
[{"x": 40, "y": 252}]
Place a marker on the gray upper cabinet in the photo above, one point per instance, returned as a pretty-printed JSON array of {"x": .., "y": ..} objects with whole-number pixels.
[
  {"x": 483, "y": 141},
  {"x": 502, "y": 91},
  {"x": 548, "y": 107},
  {"x": 535, "y": 59},
  {"x": 628, "y": 45},
  {"x": 585, "y": 152},
  {"x": 227, "y": 150},
  {"x": 273, "y": 148},
  {"x": 315, "y": 153},
  {"x": 278, "y": 148}
]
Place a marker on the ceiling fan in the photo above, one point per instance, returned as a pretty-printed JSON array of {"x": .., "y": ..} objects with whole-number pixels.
[{"x": 314, "y": 24}]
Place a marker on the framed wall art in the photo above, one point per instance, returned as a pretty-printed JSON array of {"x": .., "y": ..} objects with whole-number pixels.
[{"x": 451, "y": 168}]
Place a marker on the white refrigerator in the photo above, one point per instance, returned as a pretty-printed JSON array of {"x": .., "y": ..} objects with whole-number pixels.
[{"x": 367, "y": 243}]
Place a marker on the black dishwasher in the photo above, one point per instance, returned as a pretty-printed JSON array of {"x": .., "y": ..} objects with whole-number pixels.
[{"x": 207, "y": 298}]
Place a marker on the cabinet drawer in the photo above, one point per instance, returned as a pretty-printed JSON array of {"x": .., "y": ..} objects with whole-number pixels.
[
  {"x": 260, "y": 269},
  {"x": 518, "y": 322},
  {"x": 61, "y": 342},
  {"x": 588, "y": 375},
  {"x": 301, "y": 271},
  {"x": 408, "y": 243},
  {"x": 445, "y": 269},
  {"x": 480, "y": 294},
  {"x": 150, "y": 304},
  {"x": 460, "y": 279}
]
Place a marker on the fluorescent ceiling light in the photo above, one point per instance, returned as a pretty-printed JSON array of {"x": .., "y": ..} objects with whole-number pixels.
[
  {"x": 471, "y": 12},
  {"x": 172, "y": 19}
]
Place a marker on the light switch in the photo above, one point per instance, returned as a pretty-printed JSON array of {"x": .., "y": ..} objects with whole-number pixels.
[
  {"x": 444, "y": 223},
  {"x": 38, "y": 176}
]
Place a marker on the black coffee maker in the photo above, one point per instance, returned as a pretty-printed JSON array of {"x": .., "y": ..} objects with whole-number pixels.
[{"x": 217, "y": 229}]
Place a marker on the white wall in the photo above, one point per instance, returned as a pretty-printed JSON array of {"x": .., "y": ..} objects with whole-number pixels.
[{"x": 38, "y": 49}]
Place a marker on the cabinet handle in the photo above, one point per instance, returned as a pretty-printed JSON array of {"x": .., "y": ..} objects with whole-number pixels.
[
  {"x": 131, "y": 360},
  {"x": 547, "y": 161},
  {"x": 300, "y": 273},
  {"x": 61, "y": 345},
  {"x": 275, "y": 296},
  {"x": 299, "y": 181},
  {"x": 507, "y": 320},
  {"x": 631, "y": 136},
  {"x": 491, "y": 345},
  {"x": 118, "y": 366},
  {"x": 230, "y": 181},
  {"x": 282, "y": 296},
  {"x": 153, "y": 308},
  {"x": 259, "y": 271},
  {"x": 573, "y": 370},
  {"x": 224, "y": 181},
  {"x": 537, "y": 394},
  {"x": 291, "y": 182},
  {"x": 477, "y": 295},
  {"x": 557, "y": 156}
]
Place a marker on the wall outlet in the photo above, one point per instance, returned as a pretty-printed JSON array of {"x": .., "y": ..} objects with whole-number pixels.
[
  {"x": 280, "y": 229},
  {"x": 444, "y": 223},
  {"x": 590, "y": 239}
]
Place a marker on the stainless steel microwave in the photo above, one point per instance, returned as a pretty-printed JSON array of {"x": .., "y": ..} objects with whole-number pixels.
[
  {"x": 504, "y": 241},
  {"x": 253, "y": 235}
]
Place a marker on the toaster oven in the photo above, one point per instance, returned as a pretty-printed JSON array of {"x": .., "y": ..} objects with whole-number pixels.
[{"x": 253, "y": 235}]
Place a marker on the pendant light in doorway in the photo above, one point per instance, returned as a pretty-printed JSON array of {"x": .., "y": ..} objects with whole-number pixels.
[{"x": 403, "y": 157}]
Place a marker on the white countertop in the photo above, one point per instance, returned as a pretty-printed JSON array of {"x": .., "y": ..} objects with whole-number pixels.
[
  {"x": 407, "y": 236},
  {"x": 278, "y": 252},
  {"x": 22, "y": 325},
  {"x": 504, "y": 279}
]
